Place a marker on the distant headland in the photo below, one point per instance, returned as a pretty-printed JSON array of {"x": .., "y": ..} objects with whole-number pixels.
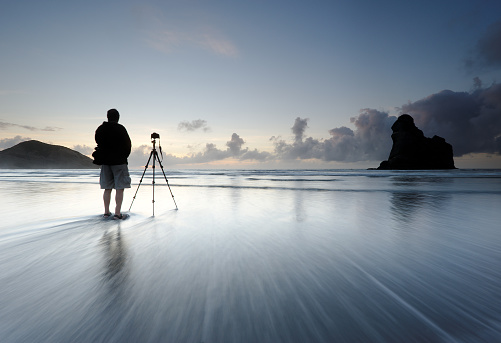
[
  {"x": 37, "y": 155},
  {"x": 411, "y": 150}
]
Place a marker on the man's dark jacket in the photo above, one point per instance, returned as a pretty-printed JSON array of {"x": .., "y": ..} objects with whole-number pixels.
[{"x": 113, "y": 144}]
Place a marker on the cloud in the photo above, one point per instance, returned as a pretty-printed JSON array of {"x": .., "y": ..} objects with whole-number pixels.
[
  {"x": 217, "y": 44},
  {"x": 255, "y": 155},
  {"x": 165, "y": 41},
  {"x": 211, "y": 153},
  {"x": 373, "y": 134},
  {"x": 5, "y": 126},
  {"x": 172, "y": 31},
  {"x": 10, "y": 142},
  {"x": 83, "y": 149},
  {"x": 139, "y": 155},
  {"x": 193, "y": 125},
  {"x": 487, "y": 51},
  {"x": 178, "y": 30},
  {"x": 489, "y": 47},
  {"x": 470, "y": 122},
  {"x": 299, "y": 128},
  {"x": 209, "y": 39},
  {"x": 370, "y": 141},
  {"x": 234, "y": 150},
  {"x": 235, "y": 144}
]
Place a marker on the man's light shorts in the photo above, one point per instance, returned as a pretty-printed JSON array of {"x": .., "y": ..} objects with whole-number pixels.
[{"x": 115, "y": 176}]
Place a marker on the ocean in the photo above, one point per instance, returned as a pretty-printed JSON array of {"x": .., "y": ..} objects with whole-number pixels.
[{"x": 252, "y": 256}]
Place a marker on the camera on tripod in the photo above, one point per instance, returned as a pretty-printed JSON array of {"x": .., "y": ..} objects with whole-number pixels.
[{"x": 154, "y": 158}]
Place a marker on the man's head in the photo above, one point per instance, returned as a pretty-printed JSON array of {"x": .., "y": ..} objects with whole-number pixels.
[{"x": 113, "y": 115}]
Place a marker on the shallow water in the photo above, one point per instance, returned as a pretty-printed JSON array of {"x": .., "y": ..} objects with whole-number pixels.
[{"x": 253, "y": 256}]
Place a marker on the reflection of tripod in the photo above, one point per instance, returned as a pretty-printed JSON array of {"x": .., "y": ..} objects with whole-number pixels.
[{"x": 153, "y": 154}]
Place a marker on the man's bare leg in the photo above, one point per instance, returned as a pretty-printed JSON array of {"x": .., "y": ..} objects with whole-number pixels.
[
  {"x": 106, "y": 200},
  {"x": 119, "y": 197}
]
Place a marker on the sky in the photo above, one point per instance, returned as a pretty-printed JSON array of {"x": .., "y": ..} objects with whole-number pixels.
[{"x": 254, "y": 84}]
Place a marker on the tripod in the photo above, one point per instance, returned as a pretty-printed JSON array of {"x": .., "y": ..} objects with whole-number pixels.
[{"x": 153, "y": 155}]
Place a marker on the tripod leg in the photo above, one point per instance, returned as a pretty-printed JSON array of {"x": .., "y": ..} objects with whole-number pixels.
[
  {"x": 154, "y": 152},
  {"x": 162, "y": 167},
  {"x": 146, "y": 167}
]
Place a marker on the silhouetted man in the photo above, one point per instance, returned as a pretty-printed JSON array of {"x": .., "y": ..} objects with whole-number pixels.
[{"x": 113, "y": 149}]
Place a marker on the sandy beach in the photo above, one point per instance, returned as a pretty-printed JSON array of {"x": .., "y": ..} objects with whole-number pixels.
[{"x": 253, "y": 256}]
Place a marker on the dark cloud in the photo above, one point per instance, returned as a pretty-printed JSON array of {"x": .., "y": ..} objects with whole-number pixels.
[
  {"x": 471, "y": 122},
  {"x": 235, "y": 144},
  {"x": 373, "y": 134},
  {"x": 487, "y": 51},
  {"x": 4, "y": 126},
  {"x": 193, "y": 125},
  {"x": 369, "y": 142},
  {"x": 477, "y": 83},
  {"x": 10, "y": 142},
  {"x": 255, "y": 155},
  {"x": 299, "y": 128},
  {"x": 342, "y": 145},
  {"x": 300, "y": 149},
  {"x": 489, "y": 46}
]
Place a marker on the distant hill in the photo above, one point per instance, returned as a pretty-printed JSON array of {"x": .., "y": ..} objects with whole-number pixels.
[{"x": 37, "y": 155}]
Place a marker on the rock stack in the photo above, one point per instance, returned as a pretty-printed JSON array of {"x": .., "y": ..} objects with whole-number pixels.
[{"x": 412, "y": 150}]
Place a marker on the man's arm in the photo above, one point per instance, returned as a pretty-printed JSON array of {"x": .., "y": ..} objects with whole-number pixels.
[
  {"x": 98, "y": 136},
  {"x": 128, "y": 143}
]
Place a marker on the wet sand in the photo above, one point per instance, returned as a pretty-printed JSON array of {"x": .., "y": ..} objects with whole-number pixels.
[{"x": 376, "y": 259}]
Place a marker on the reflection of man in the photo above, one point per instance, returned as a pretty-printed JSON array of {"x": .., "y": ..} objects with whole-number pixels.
[
  {"x": 116, "y": 272},
  {"x": 113, "y": 148},
  {"x": 115, "y": 253}
]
